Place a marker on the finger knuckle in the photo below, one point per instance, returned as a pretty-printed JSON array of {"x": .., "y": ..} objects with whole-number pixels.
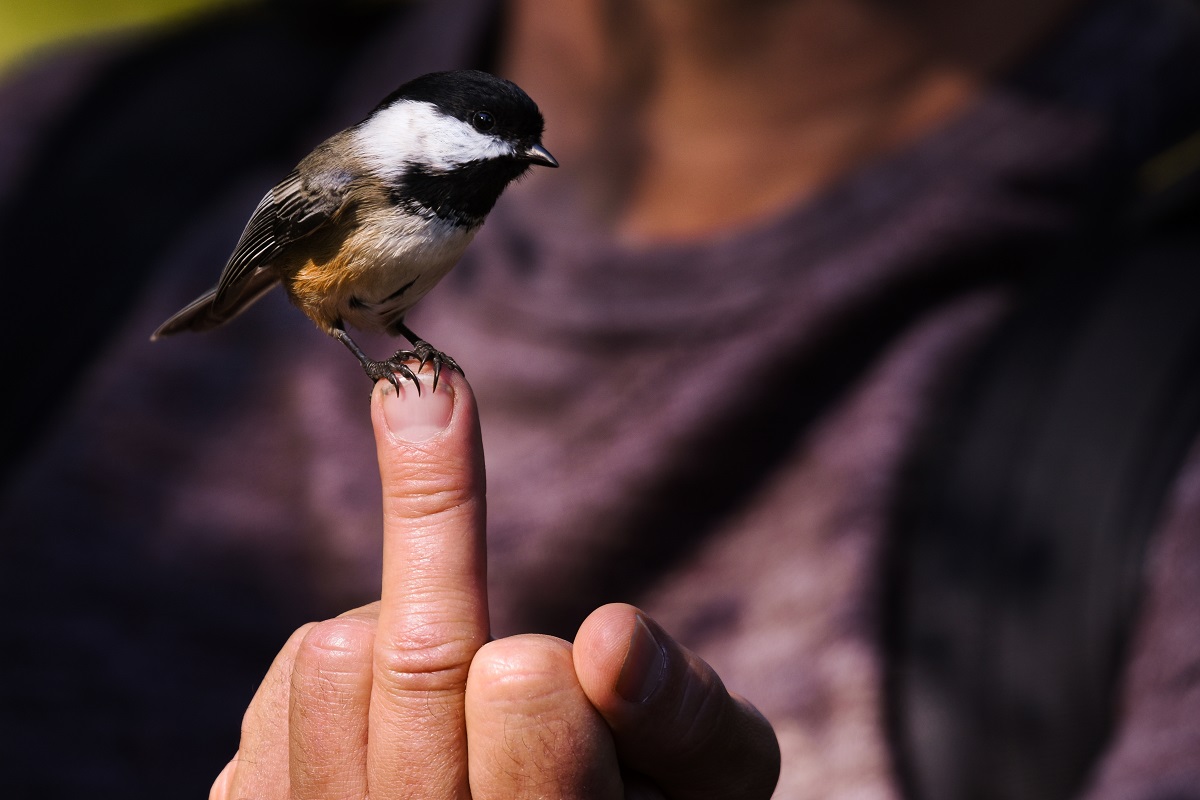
[
  {"x": 333, "y": 660},
  {"x": 333, "y": 638},
  {"x": 526, "y": 667},
  {"x": 712, "y": 728},
  {"x": 700, "y": 712},
  {"x": 424, "y": 660},
  {"x": 430, "y": 496}
]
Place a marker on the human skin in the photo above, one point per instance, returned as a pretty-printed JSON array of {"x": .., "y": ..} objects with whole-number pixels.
[
  {"x": 407, "y": 697},
  {"x": 744, "y": 107}
]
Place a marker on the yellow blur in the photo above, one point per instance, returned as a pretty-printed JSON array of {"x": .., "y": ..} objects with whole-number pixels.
[{"x": 27, "y": 25}]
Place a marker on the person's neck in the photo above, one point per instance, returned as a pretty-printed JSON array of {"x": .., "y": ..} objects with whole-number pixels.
[{"x": 679, "y": 118}]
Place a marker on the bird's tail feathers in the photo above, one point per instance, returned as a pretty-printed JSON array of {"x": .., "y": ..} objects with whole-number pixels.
[{"x": 204, "y": 313}]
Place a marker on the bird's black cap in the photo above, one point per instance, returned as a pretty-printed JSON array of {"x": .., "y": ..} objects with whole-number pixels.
[{"x": 463, "y": 93}]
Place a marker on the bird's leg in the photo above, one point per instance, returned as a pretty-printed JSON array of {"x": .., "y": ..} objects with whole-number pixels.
[
  {"x": 424, "y": 353},
  {"x": 378, "y": 370}
]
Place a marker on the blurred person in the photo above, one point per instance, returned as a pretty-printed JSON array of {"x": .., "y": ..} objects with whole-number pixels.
[{"x": 704, "y": 353}]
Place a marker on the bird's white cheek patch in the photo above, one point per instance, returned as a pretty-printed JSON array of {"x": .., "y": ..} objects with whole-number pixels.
[{"x": 415, "y": 132}]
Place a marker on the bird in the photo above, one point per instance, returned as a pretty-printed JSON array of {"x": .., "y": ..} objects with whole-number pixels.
[{"x": 370, "y": 220}]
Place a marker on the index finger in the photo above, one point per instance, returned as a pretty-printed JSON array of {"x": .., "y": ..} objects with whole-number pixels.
[{"x": 433, "y": 609}]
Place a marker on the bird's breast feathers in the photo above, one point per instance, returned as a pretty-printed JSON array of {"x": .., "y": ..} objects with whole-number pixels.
[{"x": 382, "y": 268}]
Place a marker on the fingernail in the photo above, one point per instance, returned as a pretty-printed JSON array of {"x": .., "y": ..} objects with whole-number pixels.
[
  {"x": 645, "y": 664},
  {"x": 413, "y": 416}
]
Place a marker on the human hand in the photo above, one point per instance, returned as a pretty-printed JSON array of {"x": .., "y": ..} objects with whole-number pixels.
[{"x": 382, "y": 701}]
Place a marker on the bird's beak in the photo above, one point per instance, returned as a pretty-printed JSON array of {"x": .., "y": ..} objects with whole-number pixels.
[{"x": 536, "y": 154}]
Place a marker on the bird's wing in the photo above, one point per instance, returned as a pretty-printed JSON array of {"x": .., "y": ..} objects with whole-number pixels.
[{"x": 292, "y": 210}]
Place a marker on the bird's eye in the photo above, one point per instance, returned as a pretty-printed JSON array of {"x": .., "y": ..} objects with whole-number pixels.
[{"x": 483, "y": 121}]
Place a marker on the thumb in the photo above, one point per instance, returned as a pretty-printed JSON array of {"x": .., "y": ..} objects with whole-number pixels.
[{"x": 672, "y": 718}]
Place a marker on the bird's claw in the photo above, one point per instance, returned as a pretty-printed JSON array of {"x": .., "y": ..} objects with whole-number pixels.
[
  {"x": 424, "y": 353},
  {"x": 394, "y": 369},
  {"x": 392, "y": 372}
]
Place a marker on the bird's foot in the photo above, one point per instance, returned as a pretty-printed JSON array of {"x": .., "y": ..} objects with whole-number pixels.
[
  {"x": 423, "y": 353},
  {"x": 391, "y": 371},
  {"x": 396, "y": 368}
]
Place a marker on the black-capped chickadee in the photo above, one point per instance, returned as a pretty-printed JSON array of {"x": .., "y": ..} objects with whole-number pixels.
[{"x": 376, "y": 215}]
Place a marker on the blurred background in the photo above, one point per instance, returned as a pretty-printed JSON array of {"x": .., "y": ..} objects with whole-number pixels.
[{"x": 27, "y": 26}]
